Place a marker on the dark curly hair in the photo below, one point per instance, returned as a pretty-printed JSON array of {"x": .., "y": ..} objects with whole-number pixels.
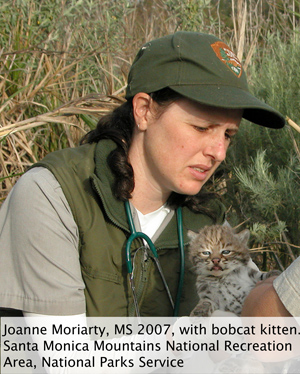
[{"x": 118, "y": 126}]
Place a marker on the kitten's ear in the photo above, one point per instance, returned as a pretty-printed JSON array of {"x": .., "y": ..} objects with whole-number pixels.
[
  {"x": 191, "y": 234},
  {"x": 226, "y": 224},
  {"x": 244, "y": 236}
]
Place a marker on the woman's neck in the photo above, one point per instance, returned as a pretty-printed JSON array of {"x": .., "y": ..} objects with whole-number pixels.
[
  {"x": 145, "y": 203},
  {"x": 147, "y": 195}
]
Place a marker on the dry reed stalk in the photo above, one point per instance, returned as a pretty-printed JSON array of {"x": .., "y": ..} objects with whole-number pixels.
[
  {"x": 242, "y": 28},
  {"x": 242, "y": 23},
  {"x": 96, "y": 105},
  {"x": 297, "y": 128},
  {"x": 18, "y": 139},
  {"x": 293, "y": 124}
]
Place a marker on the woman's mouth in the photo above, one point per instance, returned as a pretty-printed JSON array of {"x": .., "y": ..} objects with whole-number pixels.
[{"x": 199, "y": 172}]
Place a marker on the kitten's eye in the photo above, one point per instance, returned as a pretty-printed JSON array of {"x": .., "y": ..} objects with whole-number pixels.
[
  {"x": 206, "y": 253},
  {"x": 226, "y": 252}
]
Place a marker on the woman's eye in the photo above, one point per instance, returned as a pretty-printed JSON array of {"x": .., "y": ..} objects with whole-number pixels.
[
  {"x": 228, "y": 136},
  {"x": 200, "y": 129}
]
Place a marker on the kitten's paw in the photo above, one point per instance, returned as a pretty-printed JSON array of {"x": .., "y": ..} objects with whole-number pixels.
[
  {"x": 197, "y": 312},
  {"x": 204, "y": 309}
]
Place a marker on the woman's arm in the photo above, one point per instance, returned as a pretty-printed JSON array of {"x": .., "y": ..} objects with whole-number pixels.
[
  {"x": 39, "y": 258},
  {"x": 263, "y": 301}
]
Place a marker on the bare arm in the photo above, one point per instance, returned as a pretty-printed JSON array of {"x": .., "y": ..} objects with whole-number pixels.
[{"x": 263, "y": 301}]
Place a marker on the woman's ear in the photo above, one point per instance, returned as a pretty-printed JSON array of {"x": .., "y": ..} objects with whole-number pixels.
[{"x": 141, "y": 103}]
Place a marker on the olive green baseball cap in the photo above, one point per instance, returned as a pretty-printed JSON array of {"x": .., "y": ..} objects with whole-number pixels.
[{"x": 202, "y": 68}]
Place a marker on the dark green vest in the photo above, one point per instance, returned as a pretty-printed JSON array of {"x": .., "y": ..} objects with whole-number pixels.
[{"x": 87, "y": 181}]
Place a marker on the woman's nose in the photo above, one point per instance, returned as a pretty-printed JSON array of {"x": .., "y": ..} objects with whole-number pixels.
[{"x": 217, "y": 149}]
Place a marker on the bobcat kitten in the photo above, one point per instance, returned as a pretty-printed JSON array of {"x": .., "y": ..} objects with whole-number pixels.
[{"x": 225, "y": 274}]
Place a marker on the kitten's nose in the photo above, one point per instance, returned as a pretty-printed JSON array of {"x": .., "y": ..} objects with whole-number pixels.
[{"x": 215, "y": 260}]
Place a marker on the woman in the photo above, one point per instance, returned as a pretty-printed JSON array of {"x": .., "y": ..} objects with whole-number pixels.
[{"x": 64, "y": 225}]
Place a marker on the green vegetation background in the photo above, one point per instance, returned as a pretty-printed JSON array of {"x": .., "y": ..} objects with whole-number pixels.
[{"x": 63, "y": 63}]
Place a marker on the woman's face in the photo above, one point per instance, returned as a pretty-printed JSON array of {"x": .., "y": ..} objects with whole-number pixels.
[{"x": 184, "y": 145}]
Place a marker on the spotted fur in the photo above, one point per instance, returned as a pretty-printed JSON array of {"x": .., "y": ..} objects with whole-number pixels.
[{"x": 225, "y": 275}]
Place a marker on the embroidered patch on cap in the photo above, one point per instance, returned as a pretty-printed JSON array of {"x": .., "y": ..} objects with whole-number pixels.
[{"x": 225, "y": 54}]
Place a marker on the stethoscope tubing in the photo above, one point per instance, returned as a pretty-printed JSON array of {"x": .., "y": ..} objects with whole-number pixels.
[{"x": 136, "y": 234}]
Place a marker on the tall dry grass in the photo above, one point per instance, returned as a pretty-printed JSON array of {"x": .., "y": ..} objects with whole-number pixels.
[
  {"x": 57, "y": 51},
  {"x": 64, "y": 63}
]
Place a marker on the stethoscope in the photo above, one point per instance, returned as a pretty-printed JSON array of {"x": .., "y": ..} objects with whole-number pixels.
[{"x": 136, "y": 234}]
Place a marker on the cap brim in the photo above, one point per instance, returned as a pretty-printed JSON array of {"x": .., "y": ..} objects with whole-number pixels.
[{"x": 255, "y": 110}]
